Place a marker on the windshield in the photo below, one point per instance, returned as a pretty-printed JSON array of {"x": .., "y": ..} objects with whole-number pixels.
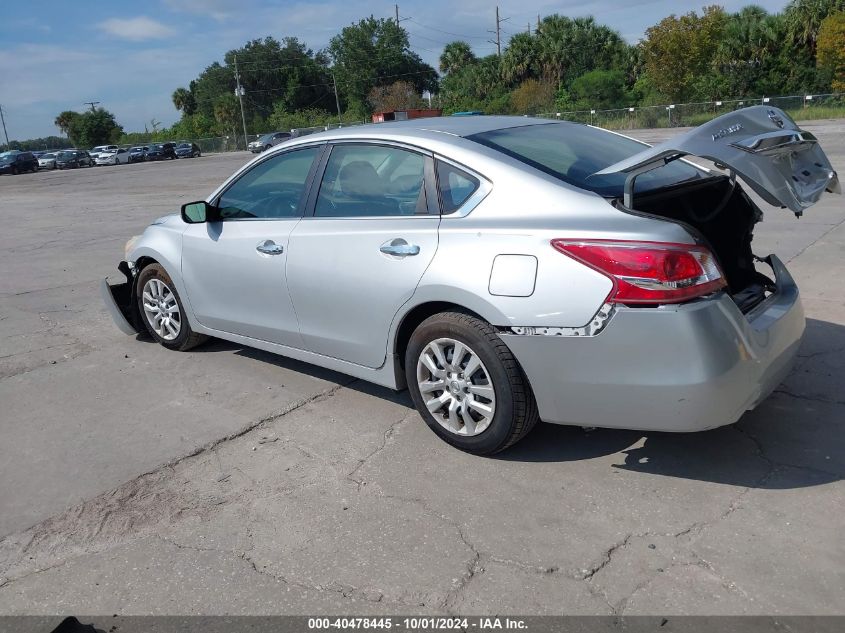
[
  {"x": 183, "y": 146},
  {"x": 66, "y": 155},
  {"x": 48, "y": 156},
  {"x": 7, "y": 158},
  {"x": 573, "y": 153},
  {"x": 137, "y": 149}
]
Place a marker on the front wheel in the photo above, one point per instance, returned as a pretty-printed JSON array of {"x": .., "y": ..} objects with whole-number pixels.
[
  {"x": 467, "y": 385},
  {"x": 163, "y": 312}
]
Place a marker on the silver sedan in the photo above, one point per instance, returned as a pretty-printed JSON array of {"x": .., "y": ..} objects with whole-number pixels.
[{"x": 505, "y": 270}]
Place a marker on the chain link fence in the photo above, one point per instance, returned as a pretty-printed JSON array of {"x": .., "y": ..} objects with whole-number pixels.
[
  {"x": 217, "y": 144},
  {"x": 799, "y": 107}
]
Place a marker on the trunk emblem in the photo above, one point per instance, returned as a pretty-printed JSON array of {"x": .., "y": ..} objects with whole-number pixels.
[
  {"x": 777, "y": 120},
  {"x": 727, "y": 131}
]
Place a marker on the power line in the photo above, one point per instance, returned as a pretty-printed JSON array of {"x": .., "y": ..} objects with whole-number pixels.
[{"x": 462, "y": 36}]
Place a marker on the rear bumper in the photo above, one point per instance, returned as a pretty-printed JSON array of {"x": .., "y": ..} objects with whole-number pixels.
[{"x": 675, "y": 368}]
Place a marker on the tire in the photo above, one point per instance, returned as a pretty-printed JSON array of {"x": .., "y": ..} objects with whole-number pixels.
[
  {"x": 514, "y": 410},
  {"x": 155, "y": 288}
]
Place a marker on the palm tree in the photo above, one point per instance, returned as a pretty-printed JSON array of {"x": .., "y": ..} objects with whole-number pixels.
[
  {"x": 184, "y": 101},
  {"x": 226, "y": 113},
  {"x": 804, "y": 18},
  {"x": 520, "y": 59},
  {"x": 64, "y": 120},
  {"x": 455, "y": 56}
]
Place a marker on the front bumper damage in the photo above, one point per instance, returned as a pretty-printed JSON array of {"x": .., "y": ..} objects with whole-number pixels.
[{"x": 121, "y": 301}]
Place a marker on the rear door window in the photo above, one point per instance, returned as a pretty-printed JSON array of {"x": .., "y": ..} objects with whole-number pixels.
[{"x": 363, "y": 180}]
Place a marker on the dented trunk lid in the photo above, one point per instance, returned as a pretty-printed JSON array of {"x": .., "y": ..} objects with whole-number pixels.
[{"x": 762, "y": 145}]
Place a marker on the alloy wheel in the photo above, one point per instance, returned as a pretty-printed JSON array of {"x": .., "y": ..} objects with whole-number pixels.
[
  {"x": 161, "y": 309},
  {"x": 456, "y": 387}
]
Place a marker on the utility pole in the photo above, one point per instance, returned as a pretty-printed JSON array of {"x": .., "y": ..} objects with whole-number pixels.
[
  {"x": 397, "y": 14},
  {"x": 498, "y": 32},
  {"x": 92, "y": 104},
  {"x": 5, "y": 133},
  {"x": 538, "y": 23},
  {"x": 240, "y": 92},
  {"x": 337, "y": 100}
]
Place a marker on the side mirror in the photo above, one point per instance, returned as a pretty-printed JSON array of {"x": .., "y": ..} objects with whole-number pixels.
[{"x": 198, "y": 212}]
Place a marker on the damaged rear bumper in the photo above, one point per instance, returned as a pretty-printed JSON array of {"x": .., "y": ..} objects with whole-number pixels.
[{"x": 120, "y": 300}]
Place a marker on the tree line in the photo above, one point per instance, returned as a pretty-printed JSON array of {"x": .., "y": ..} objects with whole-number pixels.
[{"x": 562, "y": 64}]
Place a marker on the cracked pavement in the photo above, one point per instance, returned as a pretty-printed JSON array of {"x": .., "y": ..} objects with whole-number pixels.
[{"x": 228, "y": 481}]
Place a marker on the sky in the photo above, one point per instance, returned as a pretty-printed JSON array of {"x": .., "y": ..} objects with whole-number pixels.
[{"x": 55, "y": 55}]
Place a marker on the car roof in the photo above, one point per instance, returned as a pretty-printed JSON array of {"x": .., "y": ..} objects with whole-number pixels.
[{"x": 456, "y": 126}]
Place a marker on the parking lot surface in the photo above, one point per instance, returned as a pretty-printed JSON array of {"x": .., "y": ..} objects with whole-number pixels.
[{"x": 135, "y": 480}]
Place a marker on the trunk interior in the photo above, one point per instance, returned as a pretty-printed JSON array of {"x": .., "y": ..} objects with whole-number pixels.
[{"x": 725, "y": 216}]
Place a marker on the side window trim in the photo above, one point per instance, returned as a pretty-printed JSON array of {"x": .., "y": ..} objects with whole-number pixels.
[
  {"x": 484, "y": 188},
  {"x": 429, "y": 178},
  {"x": 309, "y": 181}
]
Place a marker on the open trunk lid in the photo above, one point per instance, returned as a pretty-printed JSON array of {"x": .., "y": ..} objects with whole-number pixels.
[{"x": 762, "y": 145}]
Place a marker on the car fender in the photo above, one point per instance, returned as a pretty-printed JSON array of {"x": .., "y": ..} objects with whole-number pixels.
[{"x": 163, "y": 244}]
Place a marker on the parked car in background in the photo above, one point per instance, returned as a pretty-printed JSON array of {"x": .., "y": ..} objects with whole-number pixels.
[
  {"x": 93, "y": 153},
  {"x": 73, "y": 158},
  {"x": 527, "y": 269},
  {"x": 15, "y": 162},
  {"x": 117, "y": 156},
  {"x": 188, "y": 150},
  {"x": 138, "y": 154},
  {"x": 47, "y": 160},
  {"x": 267, "y": 141},
  {"x": 162, "y": 151}
]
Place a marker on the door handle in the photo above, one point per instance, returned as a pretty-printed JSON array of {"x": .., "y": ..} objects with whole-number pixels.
[
  {"x": 269, "y": 247},
  {"x": 399, "y": 248}
]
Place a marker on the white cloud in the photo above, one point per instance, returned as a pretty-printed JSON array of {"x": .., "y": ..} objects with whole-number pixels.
[
  {"x": 219, "y": 10},
  {"x": 136, "y": 29}
]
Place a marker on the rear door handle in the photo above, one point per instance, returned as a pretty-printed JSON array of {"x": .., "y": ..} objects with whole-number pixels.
[
  {"x": 399, "y": 248},
  {"x": 269, "y": 247}
]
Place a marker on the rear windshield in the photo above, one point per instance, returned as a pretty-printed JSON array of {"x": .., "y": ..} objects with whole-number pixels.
[{"x": 573, "y": 153}]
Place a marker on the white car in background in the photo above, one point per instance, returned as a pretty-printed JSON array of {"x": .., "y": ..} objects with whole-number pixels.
[
  {"x": 93, "y": 153},
  {"x": 112, "y": 157},
  {"x": 47, "y": 161}
]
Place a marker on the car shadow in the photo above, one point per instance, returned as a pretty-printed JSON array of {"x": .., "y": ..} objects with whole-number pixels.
[{"x": 794, "y": 439}]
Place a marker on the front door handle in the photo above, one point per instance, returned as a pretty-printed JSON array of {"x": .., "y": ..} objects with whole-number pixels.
[
  {"x": 399, "y": 248},
  {"x": 269, "y": 247}
]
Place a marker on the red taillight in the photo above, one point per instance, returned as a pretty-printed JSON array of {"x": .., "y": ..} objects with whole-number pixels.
[{"x": 648, "y": 272}]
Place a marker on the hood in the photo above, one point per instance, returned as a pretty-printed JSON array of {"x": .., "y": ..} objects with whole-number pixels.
[{"x": 762, "y": 145}]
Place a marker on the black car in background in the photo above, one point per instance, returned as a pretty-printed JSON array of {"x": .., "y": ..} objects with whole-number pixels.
[
  {"x": 162, "y": 151},
  {"x": 16, "y": 162},
  {"x": 188, "y": 150},
  {"x": 138, "y": 154},
  {"x": 73, "y": 158}
]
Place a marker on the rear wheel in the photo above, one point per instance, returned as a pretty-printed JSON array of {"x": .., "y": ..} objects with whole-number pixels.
[
  {"x": 162, "y": 310},
  {"x": 467, "y": 385}
]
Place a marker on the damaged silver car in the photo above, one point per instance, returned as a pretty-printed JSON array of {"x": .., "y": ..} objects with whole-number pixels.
[{"x": 505, "y": 270}]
